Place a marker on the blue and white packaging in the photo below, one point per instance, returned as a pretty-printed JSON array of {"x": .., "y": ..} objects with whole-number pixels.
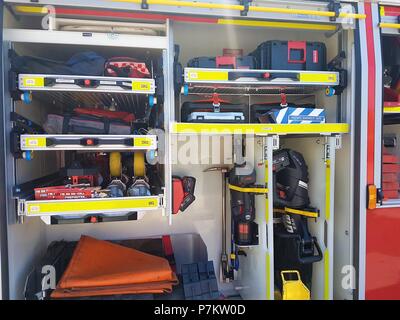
[{"x": 299, "y": 115}]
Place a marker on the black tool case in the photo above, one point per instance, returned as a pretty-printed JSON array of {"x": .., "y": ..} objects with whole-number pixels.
[
  {"x": 206, "y": 112},
  {"x": 259, "y": 112},
  {"x": 291, "y": 55}
]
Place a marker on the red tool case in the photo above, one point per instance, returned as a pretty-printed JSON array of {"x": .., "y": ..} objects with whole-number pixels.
[{"x": 63, "y": 193}]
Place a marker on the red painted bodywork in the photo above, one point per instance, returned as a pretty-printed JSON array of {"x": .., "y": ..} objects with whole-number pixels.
[
  {"x": 383, "y": 254},
  {"x": 392, "y": 11},
  {"x": 383, "y": 225}
]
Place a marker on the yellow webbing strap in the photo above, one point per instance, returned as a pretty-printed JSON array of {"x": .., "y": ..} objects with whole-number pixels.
[
  {"x": 248, "y": 190},
  {"x": 115, "y": 164},
  {"x": 309, "y": 214},
  {"x": 139, "y": 167}
]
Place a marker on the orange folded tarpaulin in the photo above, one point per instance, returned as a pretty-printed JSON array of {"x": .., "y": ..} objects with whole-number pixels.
[{"x": 100, "y": 267}]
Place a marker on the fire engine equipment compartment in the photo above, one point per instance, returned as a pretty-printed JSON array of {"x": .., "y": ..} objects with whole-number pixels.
[{"x": 253, "y": 263}]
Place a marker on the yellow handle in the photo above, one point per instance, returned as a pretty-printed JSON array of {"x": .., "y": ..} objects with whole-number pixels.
[
  {"x": 289, "y": 272},
  {"x": 389, "y": 25}
]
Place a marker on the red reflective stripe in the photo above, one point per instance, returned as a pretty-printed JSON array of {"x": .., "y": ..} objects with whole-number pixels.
[
  {"x": 371, "y": 95},
  {"x": 167, "y": 244},
  {"x": 132, "y": 15}
]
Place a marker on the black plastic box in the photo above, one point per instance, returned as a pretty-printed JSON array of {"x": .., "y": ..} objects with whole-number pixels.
[{"x": 291, "y": 55}]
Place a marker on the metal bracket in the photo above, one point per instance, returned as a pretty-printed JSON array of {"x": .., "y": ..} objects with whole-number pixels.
[
  {"x": 245, "y": 4},
  {"x": 238, "y": 157},
  {"x": 161, "y": 197},
  {"x": 275, "y": 146},
  {"x": 335, "y": 6},
  {"x": 327, "y": 152},
  {"x": 46, "y": 219},
  {"x": 275, "y": 142},
  {"x": 21, "y": 207},
  {"x": 338, "y": 142}
]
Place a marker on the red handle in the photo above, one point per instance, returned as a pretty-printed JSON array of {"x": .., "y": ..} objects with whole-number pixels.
[
  {"x": 214, "y": 100},
  {"x": 297, "y": 45}
]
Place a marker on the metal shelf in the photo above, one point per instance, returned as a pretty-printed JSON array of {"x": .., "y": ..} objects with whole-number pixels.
[
  {"x": 88, "y": 206},
  {"x": 73, "y": 83},
  {"x": 87, "y": 142},
  {"x": 261, "y": 129},
  {"x": 69, "y": 100},
  {"x": 231, "y": 81}
]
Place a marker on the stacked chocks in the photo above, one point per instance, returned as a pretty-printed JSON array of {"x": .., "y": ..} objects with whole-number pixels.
[
  {"x": 100, "y": 268},
  {"x": 390, "y": 176},
  {"x": 199, "y": 281}
]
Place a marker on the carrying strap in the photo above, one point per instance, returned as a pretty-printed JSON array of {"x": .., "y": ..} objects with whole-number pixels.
[
  {"x": 306, "y": 213},
  {"x": 257, "y": 190}
]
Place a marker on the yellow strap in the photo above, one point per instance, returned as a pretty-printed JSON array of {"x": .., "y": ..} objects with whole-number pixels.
[
  {"x": 326, "y": 275},
  {"x": 267, "y": 276},
  {"x": 249, "y": 190},
  {"x": 115, "y": 164},
  {"x": 139, "y": 167},
  {"x": 305, "y": 213},
  {"x": 327, "y": 189}
]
